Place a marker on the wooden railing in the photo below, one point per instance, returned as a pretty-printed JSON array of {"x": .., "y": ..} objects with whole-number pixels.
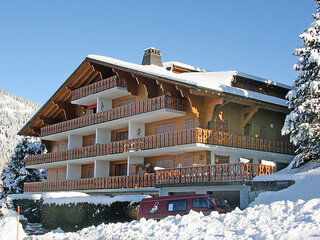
[
  {"x": 96, "y": 87},
  {"x": 165, "y": 140},
  {"x": 138, "y": 181},
  {"x": 260, "y": 144},
  {"x": 138, "y": 144},
  {"x": 136, "y": 108},
  {"x": 199, "y": 174},
  {"x": 212, "y": 173}
]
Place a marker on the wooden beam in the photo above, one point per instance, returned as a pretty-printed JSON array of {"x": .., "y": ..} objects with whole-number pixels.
[
  {"x": 48, "y": 121},
  {"x": 201, "y": 106},
  {"x": 166, "y": 87},
  {"x": 83, "y": 77},
  {"x": 131, "y": 82},
  {"x": 67, "y": 108},
  {"x": 151, "y": 85},
  {"x": 104, "y": 71},
  {"x": 250, "y": 111},
  {"x": 35, "y": 130}
]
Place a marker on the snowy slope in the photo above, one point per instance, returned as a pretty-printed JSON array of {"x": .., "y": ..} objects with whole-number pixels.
[
  {"x": 271, "y": 216},
  {"x": 14, "y": 113}
]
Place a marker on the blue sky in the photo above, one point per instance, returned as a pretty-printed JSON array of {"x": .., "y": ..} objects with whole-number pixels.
[{"x": 42, "y": 42}]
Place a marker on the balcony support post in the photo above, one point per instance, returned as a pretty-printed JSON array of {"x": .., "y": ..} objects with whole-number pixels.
[
  {"x": 244, "y": 196},
  {"x": 73, "y": 171},
  {"x": 101, "y": 168},
  {"x": 136, "y": 130},
  {"x": 74, "y": 141},
  {"x": 103, "y": 136},
  {"x": 103, "y": 104}
]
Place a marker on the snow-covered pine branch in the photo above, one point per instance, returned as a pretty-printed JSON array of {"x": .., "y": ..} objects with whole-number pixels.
[
  {"x": 303, "y": 121},
  {"x": 16, "y": 174}
]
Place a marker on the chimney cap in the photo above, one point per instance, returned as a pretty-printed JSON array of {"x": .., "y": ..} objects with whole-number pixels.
[
  {"x": 152, "y": 50},
  {"x": 152, "y": 56}
]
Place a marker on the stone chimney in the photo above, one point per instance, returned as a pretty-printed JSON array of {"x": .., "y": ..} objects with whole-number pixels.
[{"x": 152, "y": 56}]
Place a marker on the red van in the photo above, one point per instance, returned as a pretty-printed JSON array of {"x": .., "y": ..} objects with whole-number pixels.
[{"x": 161, "y": 207}]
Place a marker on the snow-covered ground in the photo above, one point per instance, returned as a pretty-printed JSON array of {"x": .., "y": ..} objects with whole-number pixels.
[
  {"x": 9, "y": 224},
  {"x": 292, "y": 213}
]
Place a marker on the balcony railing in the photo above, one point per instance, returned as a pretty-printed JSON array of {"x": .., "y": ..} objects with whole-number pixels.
[
  {"x": 139, "y": 181},
  {"x": 212, "y": 173},
  {"x": 96, "y": 87},
  {"x": 144, "y": 106},
  {"x": 176, "y": 176},
  {"x": 165, "y": 140}
]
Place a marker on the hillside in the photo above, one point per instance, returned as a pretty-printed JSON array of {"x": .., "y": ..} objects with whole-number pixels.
[{"x": 14, "y": 113}]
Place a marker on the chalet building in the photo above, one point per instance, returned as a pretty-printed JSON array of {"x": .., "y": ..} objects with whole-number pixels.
[{"x": 115, "y": 127}]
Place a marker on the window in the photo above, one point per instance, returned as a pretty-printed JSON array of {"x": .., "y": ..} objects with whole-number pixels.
[
  {"x": 126, "y": 102},
  {"x": 281, "y": 165},
  {"x": 263, "y": 132},
  {"x": 122, "y": 168},
  {"x": 221, "y": 159},
  {"x": 187, "y": 162},
  {"x": 201, "y": 203},
  {"x": 92, "y": 109},
  {"x": 119, "y": 136},
  {"x": 164, "y": 128},
  {"x": 92, "y": 141},
  {"x": 248, "y": 129},
  {"x": 222, "y": 125},
  {"x": 177, "y": 205},
  {"x": 188, "y": 123},
  {"x": 164, "y": 163}
]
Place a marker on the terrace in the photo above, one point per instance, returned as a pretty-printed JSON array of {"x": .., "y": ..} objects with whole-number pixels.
[
  {"x": 159, "y": 108},
  {"x": 186, "y": 175},
  {"x": 163, "y": 141}
]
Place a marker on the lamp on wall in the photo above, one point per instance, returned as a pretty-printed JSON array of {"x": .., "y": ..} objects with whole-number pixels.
[
  {"x": 200, "y": 157},
  {"x": 138, "y": 131}
]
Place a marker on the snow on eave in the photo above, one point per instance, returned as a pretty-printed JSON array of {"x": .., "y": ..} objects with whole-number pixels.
[
  {"x": 185, "y": 66},
  {"x": 215, "y": 81},
  {"x": 259, "y": 79}
]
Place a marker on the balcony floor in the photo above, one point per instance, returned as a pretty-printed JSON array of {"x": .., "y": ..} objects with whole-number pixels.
[
  {"x": 147, "y": 117},
  {"x": 118, "y": 191},
  {"x": 173, "y": 150},
  {"x": 111, "y": 93}
]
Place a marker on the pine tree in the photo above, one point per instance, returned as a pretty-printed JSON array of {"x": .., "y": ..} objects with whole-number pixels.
[
  {"x": 16, "y": 174},
  {"x": 303, "y": 122}
]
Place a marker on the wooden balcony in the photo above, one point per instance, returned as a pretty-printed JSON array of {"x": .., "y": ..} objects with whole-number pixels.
[
  {"x": 140, "y": 107},
  {"x": 139, "y": 181},
  {"x": 96, "y": 87},
  {"x": 165, "y": 140},
  {"x": 175, "y": 176},
  {"x": 212, "y": 173}
]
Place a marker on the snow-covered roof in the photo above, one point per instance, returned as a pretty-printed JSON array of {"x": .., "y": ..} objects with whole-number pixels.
[
  {"x": 259, "y": 79},
  {"x": 216, "y": 81},
  {"x": 185, "y": 66}
]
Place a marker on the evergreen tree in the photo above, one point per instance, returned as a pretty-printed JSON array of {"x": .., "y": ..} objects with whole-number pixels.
[
  {"x": 16, "y": 174},
  {"x": 303, "y": 122}
]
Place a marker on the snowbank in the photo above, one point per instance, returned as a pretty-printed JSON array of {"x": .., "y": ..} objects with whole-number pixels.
[
  {"x": 280, "y": 220},
  {"x": 8, "y": 224},
  {"x": 24, "y": 196},
  {"x": 269, "y": 217},
  {"x": 60, "y": 198},
  {"x": 306, "y": 187}
]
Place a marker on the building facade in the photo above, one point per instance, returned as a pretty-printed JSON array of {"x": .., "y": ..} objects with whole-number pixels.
[{"x": 115, "y": 127}]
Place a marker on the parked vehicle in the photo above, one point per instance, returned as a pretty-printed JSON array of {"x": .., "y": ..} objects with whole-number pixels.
[{"x": 161, "y": 207}]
